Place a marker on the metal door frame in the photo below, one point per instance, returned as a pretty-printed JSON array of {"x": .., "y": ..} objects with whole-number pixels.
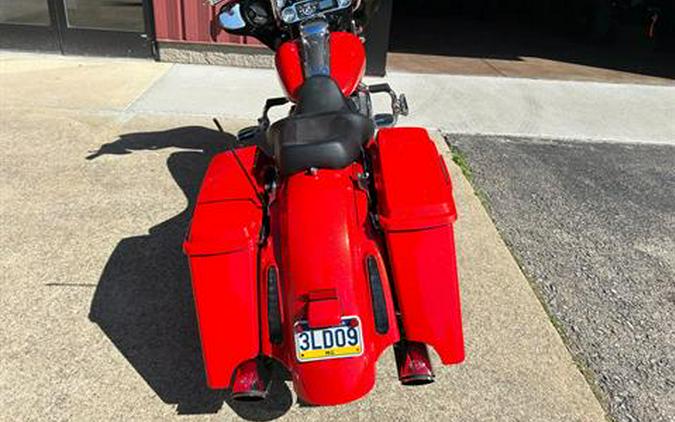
[
  {"x": 377, "y": 39},
  {"x": 58, "y": 37}
]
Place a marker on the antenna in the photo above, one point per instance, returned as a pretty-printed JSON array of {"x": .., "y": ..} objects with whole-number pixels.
[{"x": 230, "y": 149}]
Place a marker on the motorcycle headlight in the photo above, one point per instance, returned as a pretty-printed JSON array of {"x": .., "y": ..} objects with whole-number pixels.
[{"x": 288, "y": 15}]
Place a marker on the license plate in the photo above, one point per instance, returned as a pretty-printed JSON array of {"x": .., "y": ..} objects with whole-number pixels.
[{"x": 343, "y": 341}]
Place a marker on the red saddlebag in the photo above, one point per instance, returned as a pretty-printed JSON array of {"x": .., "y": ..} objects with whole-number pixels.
[
  {"x": 417, "y": 211},
  {"x": 222, "y": 248}
]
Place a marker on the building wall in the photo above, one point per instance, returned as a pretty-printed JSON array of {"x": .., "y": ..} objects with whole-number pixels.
[{"x": 191, "y": 21}]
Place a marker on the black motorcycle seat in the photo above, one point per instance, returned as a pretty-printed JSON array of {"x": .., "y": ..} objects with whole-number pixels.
[{"x": 323, "y": 132}]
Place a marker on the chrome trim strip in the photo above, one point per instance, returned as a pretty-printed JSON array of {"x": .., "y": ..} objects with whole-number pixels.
[{"x": 315, "y": 38}]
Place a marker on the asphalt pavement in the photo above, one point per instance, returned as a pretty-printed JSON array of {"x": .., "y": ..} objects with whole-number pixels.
[{"x": 593, "y": 227}]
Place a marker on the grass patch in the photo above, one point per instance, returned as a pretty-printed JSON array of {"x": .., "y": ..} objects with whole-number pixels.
[{"x": 462, "y": 162}]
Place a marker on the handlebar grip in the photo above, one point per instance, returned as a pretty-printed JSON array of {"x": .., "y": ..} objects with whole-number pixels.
[{"x": 276, "y": 102}]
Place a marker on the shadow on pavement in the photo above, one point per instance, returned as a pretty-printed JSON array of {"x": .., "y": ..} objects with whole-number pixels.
[{"x": 143, "y": 301}]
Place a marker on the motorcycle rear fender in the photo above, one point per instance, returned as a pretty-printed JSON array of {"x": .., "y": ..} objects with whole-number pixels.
[
  {"x": 222, "y": 250},
  {"x": 324, "y": 243},
  {"x": 416, "y": 211}
]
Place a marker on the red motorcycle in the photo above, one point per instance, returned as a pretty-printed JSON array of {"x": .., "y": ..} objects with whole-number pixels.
[{"x": 331, "y": 238}]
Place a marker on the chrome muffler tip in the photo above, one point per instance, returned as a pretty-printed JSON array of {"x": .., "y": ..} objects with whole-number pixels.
[
  {"x": 251, "y": 382},
  {"x": 413, "y": 363}
]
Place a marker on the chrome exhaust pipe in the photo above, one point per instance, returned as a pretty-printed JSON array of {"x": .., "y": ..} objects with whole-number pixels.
[{"x": 413, "y": 363}]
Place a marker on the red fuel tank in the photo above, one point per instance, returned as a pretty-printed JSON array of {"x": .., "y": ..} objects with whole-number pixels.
[{"x": 347, "y": 59}]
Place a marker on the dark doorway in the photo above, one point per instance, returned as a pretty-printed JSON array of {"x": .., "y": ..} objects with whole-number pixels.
[
  {"x": 91, "y": 27},
  {"x": 621, "y": 36}
]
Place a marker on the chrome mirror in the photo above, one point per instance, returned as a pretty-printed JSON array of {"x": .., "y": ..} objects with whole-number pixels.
[{"x": 231, "y": 18}]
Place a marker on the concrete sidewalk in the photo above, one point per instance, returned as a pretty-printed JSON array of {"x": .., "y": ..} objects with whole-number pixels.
[
  {"x": 454, "y": 104},
  {"x": 591, "y": 111},
  {"x": 96, "y": 311}
]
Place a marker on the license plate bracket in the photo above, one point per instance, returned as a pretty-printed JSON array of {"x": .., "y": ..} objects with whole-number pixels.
[{"x": 343, "y": 341}]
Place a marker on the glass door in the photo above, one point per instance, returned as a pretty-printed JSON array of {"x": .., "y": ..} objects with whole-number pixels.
[
  {"x": 93, "y": 27},
  {"x": 28, "y": 24},
  {"x": 105, "y": 27},
  {"x": 109, "y": 15}
]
